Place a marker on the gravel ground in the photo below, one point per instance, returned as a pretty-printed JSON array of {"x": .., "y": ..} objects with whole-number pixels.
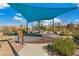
[{"x": 5, "y": 49}]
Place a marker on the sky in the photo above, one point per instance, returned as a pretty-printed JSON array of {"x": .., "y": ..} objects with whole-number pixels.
[{"x": 11, "y": 17}]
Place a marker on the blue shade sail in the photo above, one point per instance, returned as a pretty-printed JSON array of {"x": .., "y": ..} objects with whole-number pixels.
[{"x": 36, "y": 12}]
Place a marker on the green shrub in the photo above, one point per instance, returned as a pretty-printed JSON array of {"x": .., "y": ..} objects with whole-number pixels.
[
  {"x": 76, "y": 35},
  {"x": 64, "y": 46}
]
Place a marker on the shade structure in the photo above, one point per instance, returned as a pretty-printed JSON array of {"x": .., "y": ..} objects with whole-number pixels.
[{"x": 31, "y": 12}]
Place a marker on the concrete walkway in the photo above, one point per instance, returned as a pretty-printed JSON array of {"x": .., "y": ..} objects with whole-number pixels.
[{"x": 33, "y": 50}]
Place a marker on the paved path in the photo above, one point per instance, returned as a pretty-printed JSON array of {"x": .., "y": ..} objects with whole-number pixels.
[{"x": 33, "y": 50}]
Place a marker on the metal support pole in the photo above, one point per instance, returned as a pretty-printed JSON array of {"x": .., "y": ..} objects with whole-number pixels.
[
  {"x": 39, "y": 26},
  {"x": 53, "y": 25},
  {"x": 58, "y": 26},
  {"x": 32, "y": 26},
  {"x": 27, "y": 26}
]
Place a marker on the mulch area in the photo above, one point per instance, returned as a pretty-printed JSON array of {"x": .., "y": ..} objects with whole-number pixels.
[{"x": 43, "y": 40}]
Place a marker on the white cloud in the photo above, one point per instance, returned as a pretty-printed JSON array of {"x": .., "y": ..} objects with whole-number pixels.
[
  {"x": 46, "y": 22},
  {"x": 3, "y": 5},
  {"x": 76, "y": 21},
  {"x": 18, "y": 14},
  {"x": 20, "y": 19},
  {"x": 57, "y": 20},
  {"x": 77, "y": 5}
]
